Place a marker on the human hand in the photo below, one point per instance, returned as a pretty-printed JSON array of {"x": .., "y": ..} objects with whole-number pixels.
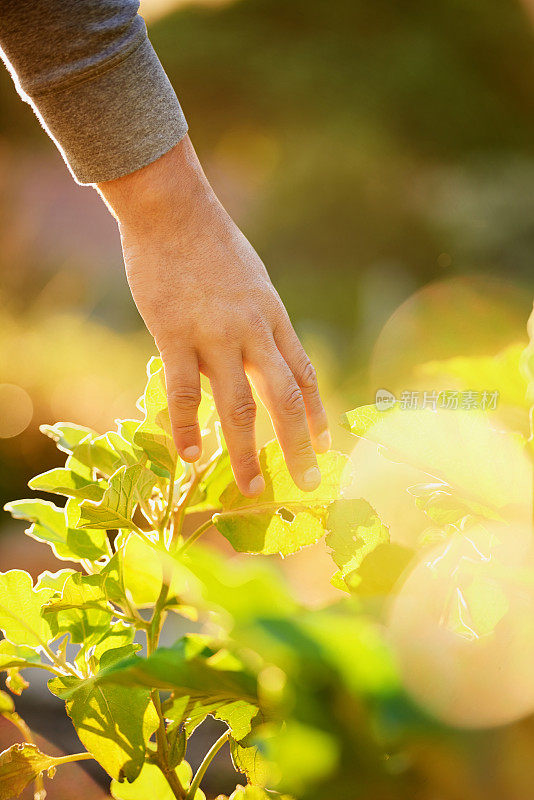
[{"x": 208, "y": 301}]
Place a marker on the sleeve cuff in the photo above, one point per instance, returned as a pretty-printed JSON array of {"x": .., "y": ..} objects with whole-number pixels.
[{"x": 116, "y": 120}]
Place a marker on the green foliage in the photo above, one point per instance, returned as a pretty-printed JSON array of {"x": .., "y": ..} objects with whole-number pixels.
[
  {"x": 20, "y": 765},
  {"x": 127, "y": 495},
  {"x": 284, "y": 519}
]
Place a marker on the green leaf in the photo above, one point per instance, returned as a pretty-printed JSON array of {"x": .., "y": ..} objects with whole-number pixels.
[
  {"x": 146, "y": 568},
  {"x": 154, "y": 434},
  {"x": 66, "y": 434},
  {"x": 444, "y": 507},
  {"x": 192, "y": 667},
  {"x": 53, "y": 580},
  {"x": 248, "y": 760},
  {"x": 7, "y": 706},
  {"x": 49, "y": 524},
  {"x": 15, "y": 682},
  {"x": 114, "y": 723},
  {"x": 355, "y": 530},
  {"x": 116, "y": 639},
  {"x": 20, "y": 765},
  {"x": 177, "y": 747},
  {"x": 80, "y": 610},
  {"x": 191, "y": 711},
  {"x": 284, "y": 519},
  {"x": 96, "y": 453},
  {"x": 20, "y": 609},
  {"x": 65, "y": 481},
  {"x": 493, "y": 471},
  {"x": 210, "y": 489},
  {"x": 151, "y": 783},
  {"x": 126, "y": 451},
  {"x": 17, "y": 656},
  {"x": 369, "y": 563},
  {"x": 117, "y": 506},
  {"x": 302, "y": 756},
  {"x": 251, "y": 792}
]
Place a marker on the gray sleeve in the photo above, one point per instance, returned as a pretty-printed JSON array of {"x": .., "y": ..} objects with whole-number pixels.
[{"x": 92, "y": 77}]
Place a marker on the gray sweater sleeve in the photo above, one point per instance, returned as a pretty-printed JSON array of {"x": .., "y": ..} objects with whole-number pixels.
[{"x": 92, "y": 77}]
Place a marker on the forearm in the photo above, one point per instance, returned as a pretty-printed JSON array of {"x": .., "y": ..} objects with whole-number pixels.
[{"x": 92, "y": 77}]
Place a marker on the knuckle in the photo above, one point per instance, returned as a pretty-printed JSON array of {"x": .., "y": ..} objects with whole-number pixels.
[
  {"x": 292, "y": 402},
  {"x": 303, "y": 450},
  {"x": 184, "y": 398},
  {"x": 243, "y": 413},
  {"x": 186, "y": 431},
  {"x": 248, "y": 461},
  {"x": 255, "y": 323},
  {"x": 307, "y": 376}
]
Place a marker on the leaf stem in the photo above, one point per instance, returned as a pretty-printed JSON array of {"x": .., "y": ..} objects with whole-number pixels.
[
  {"x": 59, "y": 662},
  {"x": 152, "y": 636},
  {"x": 74, "y": 757},
  {"x": 194, "y": 536},
  {"x": 168, "y": 510},
  {"x": 208, "y": 758}
]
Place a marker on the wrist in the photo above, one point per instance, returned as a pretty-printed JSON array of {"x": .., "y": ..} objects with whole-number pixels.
[{"x": 170, "y": 190}]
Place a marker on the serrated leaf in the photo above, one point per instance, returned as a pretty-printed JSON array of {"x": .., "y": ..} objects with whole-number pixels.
[
  {"x": 20, "y": 609},
  {"x": 65, "y": 481},
  {"x": 284, "y": 519},
  {"x": 80, "y": 610},
  {"x": 49, "y": 524},
  {"x": 20, "y": 765},
  {"x": 114, "y": 723},
  {"x": 117, "y": 506}
]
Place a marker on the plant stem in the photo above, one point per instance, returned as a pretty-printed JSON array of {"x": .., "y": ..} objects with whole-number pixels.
[
  {"x": 196, "y": 475},
  {"x": 210, "y": 755},
  {"x": 168, "y": 510},
  {"x": 152, "y": 634},
  {"x": 194, "y": 536},
  {"x": 75, "y": 757},
  {"x": 59, "y": 662}
]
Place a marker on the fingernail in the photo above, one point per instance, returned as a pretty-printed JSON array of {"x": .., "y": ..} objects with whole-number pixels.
[
  {"x": 191, "y": 453},
  {"x": 324, "y": 441},
  {"x": 311, "y": 478},
  {"x": 256, "y": 485}
]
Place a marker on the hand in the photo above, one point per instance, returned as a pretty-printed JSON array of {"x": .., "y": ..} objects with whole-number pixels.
[{"x": 207, "y": 300}]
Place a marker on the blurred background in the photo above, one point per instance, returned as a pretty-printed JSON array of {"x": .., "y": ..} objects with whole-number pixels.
[{"x": 379, "y": 156}]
